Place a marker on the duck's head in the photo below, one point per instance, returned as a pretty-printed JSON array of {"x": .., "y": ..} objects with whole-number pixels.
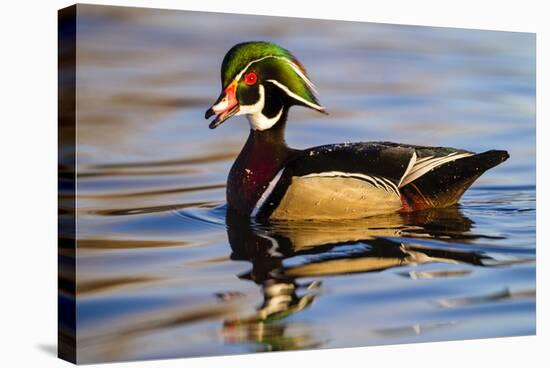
[{"x": 261, "y": 80}]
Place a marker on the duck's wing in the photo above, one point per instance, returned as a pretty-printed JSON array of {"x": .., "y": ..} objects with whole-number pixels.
[
  {"x": 337, "y": 181},
  {"x": 438, "y": 176},
  {"x": 376, "y": 159}
]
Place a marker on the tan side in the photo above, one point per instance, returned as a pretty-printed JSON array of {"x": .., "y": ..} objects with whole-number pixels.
[{"x": 334, "y": 197}]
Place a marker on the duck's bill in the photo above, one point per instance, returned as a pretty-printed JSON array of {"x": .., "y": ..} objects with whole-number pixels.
[
  {"x": 222, "y": 116},
  {"x": 225, "y": 107}
]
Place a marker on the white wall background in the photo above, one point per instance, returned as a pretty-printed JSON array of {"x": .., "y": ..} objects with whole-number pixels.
[{"x": 28, "y": 180}]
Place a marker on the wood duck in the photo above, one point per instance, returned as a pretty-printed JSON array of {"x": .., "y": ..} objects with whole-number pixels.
[{"x": 271, "y": 181}]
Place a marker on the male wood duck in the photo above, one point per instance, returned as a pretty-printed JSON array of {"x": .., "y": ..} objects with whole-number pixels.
[{"x": 271, "y": 181}]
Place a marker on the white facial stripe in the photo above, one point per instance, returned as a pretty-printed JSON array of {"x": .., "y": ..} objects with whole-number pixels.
[
  {"x": 255, "y": 108},
  {"x": 256, "y": 119},
  {"x": 298, "y": 71},
  {"x": 238, "y": 77},
  {"x": 286, "y": 90},
  {"x": 261, "y": 122},
  {"x": 267, "y": 192},
  {"x": 294, "y": 67}
]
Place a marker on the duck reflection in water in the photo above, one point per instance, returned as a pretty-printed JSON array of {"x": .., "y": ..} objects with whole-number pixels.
[{"x": 327, "y": 249}]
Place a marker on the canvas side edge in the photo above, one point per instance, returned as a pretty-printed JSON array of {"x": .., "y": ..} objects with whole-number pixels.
[{"x": 66, "y": 348}]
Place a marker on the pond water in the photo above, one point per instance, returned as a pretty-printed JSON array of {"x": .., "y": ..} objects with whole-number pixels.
[{"x": 161, "y": 271}]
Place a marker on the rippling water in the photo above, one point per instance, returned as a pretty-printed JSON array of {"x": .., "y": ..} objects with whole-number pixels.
[{"x": 163, "y": 273}]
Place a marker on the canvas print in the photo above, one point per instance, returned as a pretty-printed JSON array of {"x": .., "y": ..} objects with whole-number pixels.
[{"x": 234, "y": 184}]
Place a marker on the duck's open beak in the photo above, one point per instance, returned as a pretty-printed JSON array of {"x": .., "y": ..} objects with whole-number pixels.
[{"x": 225, "y": 106}]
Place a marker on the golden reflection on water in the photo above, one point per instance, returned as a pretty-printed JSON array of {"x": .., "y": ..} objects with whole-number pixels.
[{"x": 289, "y": 289}]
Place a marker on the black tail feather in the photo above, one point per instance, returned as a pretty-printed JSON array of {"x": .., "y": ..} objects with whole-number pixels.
[{"x": 444, "y": 185}]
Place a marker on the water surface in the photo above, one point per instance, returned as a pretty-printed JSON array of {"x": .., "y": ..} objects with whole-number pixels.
[{"x": 163, "y": 272}]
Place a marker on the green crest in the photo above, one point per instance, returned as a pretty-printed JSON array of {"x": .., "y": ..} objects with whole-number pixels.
[{"x": 274, "y": 64}]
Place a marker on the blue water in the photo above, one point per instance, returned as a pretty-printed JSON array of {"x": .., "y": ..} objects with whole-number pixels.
[{"x": 162, "y": 273}]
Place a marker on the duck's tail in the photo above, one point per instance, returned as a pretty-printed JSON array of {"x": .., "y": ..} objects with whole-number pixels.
[{"x": 444, "y": 185}]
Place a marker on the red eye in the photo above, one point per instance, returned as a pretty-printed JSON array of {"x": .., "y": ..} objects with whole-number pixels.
[{"x": 250, "y": 78}]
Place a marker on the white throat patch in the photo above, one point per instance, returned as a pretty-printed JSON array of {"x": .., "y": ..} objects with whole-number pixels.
[{"x": 256, "y": 119}]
